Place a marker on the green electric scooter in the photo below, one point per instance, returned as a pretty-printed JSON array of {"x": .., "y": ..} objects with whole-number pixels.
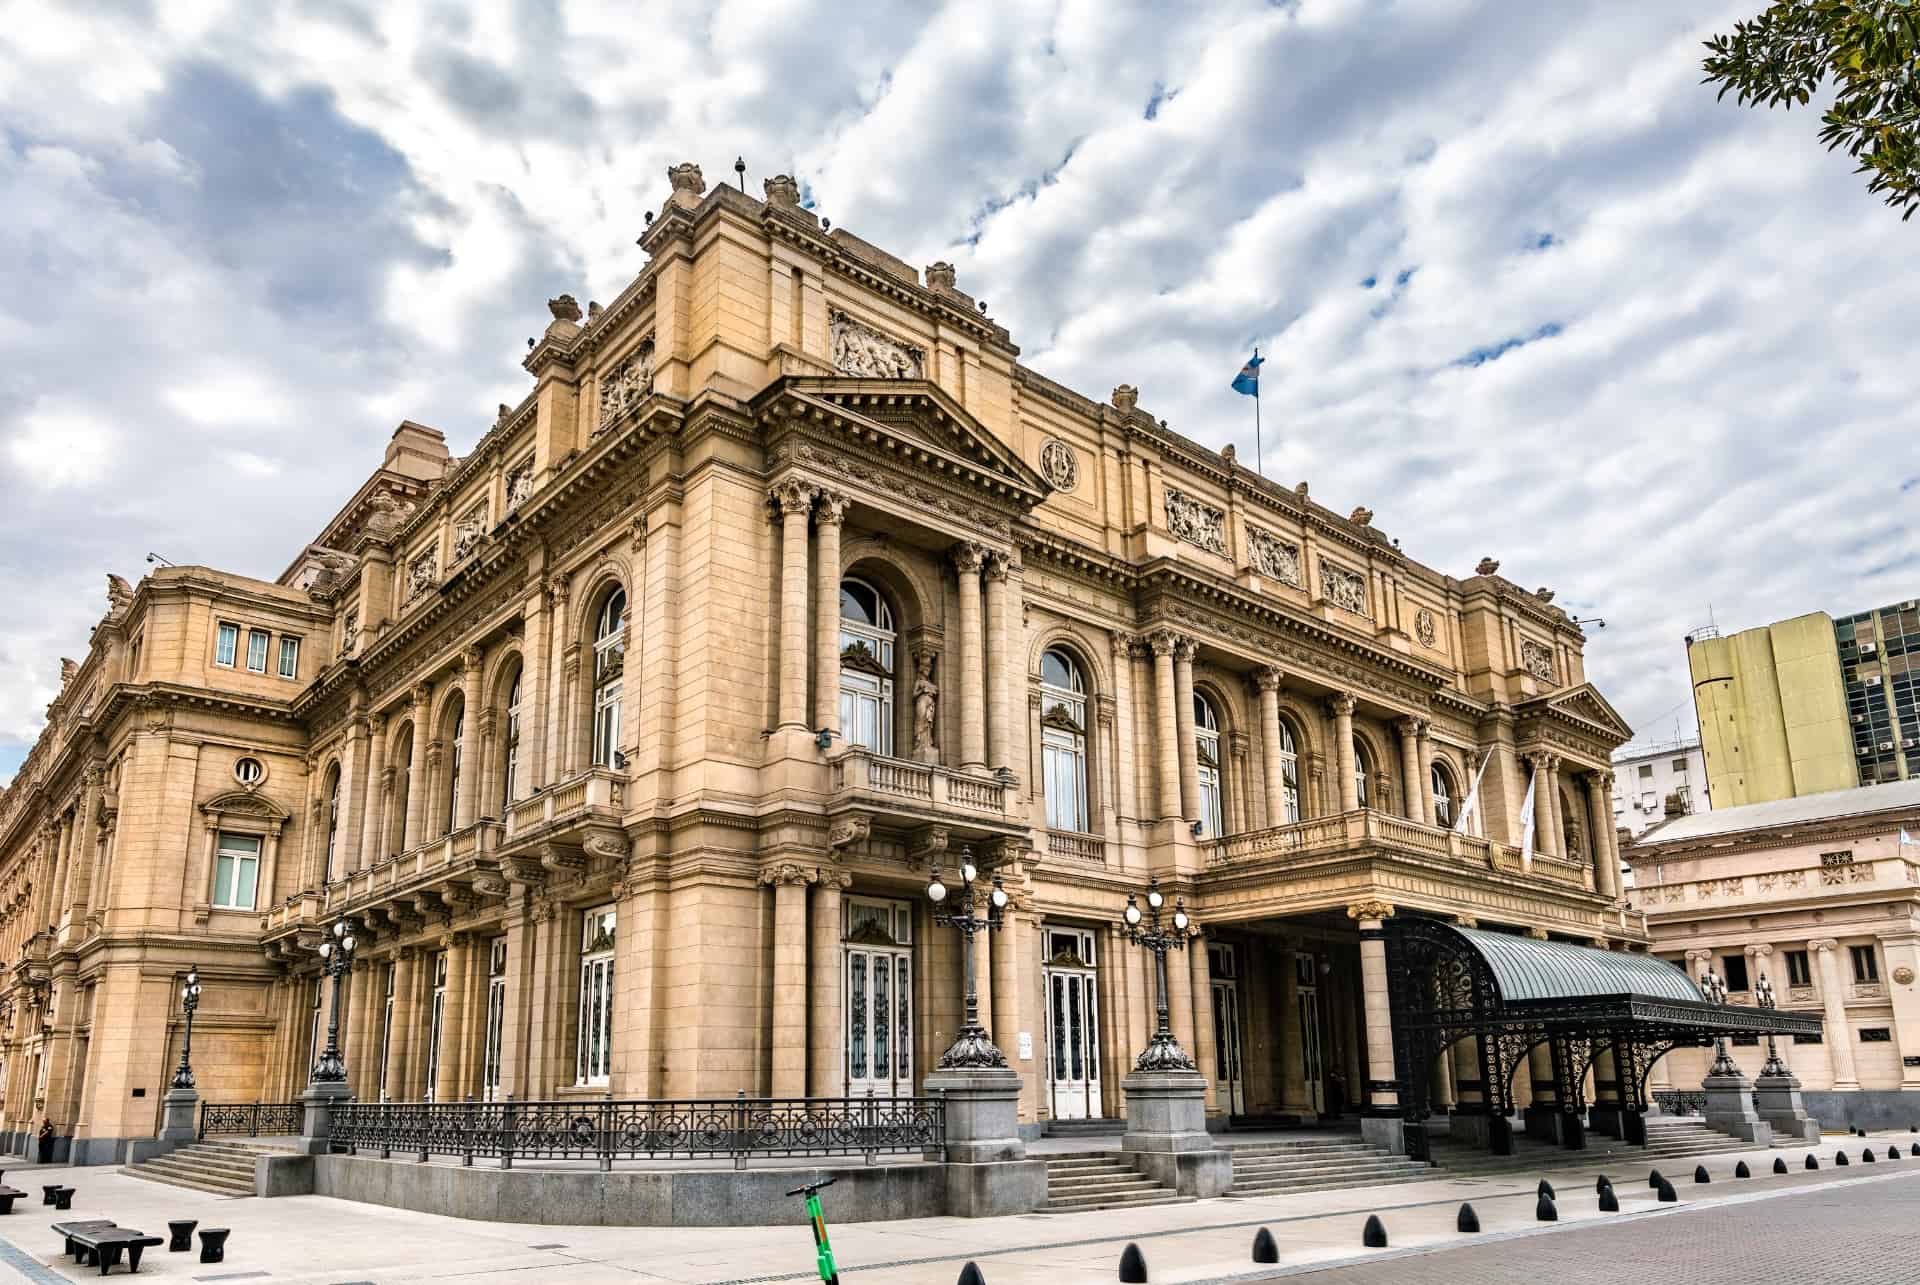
[{"x": 828, "y": 1272}]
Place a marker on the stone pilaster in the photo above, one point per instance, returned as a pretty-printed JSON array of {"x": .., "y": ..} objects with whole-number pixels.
[
  {"x": 1839, "y": 1034},
  {"x": 999, "y": 729},
  {"x": 417, "y": 785},
  {"x": 1166, "y": 740},
  {"x": 1187, "y": 747},
  {"x": 792, "y": 501},
  {"x": 789, "y": 882},
  {"x": 968, "y": 558},
  {"x": 1410, "y": 791},
  {"x": 1382, "y": 1124},
  {"x": 1341, "y": 707},
  {"x": 829, "y": 521}
]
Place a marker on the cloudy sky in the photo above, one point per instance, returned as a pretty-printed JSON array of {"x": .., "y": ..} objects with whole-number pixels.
[{"x": 1528, "y": 290}]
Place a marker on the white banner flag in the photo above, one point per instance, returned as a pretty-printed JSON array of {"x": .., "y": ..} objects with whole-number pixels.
[
  {"x": 1526, "y": 823},
  {"x": 1473, "y": 797}
]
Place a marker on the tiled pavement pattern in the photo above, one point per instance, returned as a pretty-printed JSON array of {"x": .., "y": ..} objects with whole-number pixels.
[{"x": 1862, "y": 1233}]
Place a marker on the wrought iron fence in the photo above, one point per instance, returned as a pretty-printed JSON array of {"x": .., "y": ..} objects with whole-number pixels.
[
  {"x": 254, "y": 1119},
  {"x": 1680, "y": 1101},
  {"x": 632, "y": 1129}
]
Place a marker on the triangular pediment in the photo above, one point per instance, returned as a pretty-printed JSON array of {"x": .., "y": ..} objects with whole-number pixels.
[
  {"x": 1586, "y": 704},
  {"x": 244, "y": 803},
  {"x": 915, "y": 420}
]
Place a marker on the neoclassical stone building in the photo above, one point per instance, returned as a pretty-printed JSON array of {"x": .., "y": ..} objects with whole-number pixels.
[{"x": 629, "y": 738}]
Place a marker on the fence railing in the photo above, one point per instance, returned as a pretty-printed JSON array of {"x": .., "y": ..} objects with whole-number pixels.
[
  {"x": 631, "y": 1129},
  {"x": 253, "y": 1119}
]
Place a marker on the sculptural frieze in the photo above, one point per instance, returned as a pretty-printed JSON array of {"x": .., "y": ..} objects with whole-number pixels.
[
  {"x": 468, "y": 530},
  {"x": 1196, "y": 522},
  {"x": 863, "y": 352},
  {"x": 1537, "y": 659},
  {"x": 926, "y": 704},
  {"x": 626, "y": 387},
  {"x": 1274, "y": 558},
  {"x": 423, "y": 572},
  {"x": 1345, "y": 589},
  {"x": 519, "y": 482}
]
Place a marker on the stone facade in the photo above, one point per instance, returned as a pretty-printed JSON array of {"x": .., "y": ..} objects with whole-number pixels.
[
  {"x": 628, "y": 739},
  {"x": 1821, "y": 896}
]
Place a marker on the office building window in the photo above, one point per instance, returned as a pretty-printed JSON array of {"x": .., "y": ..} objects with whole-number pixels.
[
  {"x": 289, "y": 657},
  {"x": 1866, "y": 967},
  {"x": 257, "y": 640}
]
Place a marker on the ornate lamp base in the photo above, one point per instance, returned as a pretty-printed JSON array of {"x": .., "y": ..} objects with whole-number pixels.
[
  {"x": 972, "y": 1050},
  {"x": 1163, "y": 1053}
]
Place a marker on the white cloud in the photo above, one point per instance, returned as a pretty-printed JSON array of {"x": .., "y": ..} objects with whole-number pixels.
[{"x": 58, "y": 446}]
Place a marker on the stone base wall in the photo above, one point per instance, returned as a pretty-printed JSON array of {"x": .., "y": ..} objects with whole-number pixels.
[{"x": 1867, "y": 1108}]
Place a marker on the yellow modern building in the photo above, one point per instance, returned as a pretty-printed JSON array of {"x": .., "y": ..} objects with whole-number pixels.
[{"x": 1772, "y": 706}]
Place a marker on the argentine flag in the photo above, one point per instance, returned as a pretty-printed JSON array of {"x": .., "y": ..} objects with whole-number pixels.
[
  {"x": 1248, "y": 380},
  {"x": 1907, "y": 840}
]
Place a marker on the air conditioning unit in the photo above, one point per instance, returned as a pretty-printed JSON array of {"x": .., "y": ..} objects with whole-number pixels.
[
  {"x": 1866, "y": 648},
  {"x": 1859, "y": 718},
  {"x": 1909, "y": 604},
  {"x": 1885, "y": 746}
]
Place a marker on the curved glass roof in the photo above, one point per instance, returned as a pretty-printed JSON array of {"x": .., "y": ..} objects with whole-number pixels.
[{"x": 1528, "y": 969}]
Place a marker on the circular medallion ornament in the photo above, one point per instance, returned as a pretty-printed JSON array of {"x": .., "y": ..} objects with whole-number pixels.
[
  {"x": 1903, "y": 975},
  {"x": 1424, "y": 628},
  {"x": 1059, "y": 465}
]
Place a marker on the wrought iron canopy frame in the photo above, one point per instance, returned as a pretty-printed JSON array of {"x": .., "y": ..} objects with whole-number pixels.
[{"x": 1442, "y": 989}]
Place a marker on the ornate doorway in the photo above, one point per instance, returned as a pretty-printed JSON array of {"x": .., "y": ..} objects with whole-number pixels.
[
  {"x": 1312, "y": 1066},
  {"x": 1229, "y": 1084},
  {"x": 1073, "y": 1025},
  {"x": 878, "y": 981}
]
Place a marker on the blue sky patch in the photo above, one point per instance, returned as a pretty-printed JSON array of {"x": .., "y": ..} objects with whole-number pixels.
[{"x": 1494, "y": 352}]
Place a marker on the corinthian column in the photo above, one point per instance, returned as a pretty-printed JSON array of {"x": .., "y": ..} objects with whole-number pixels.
[
  {"x": 1166, "y": 724},
  {"x": 1606, "y": 866},
  {"x": 1839, "y": 1034},
  {"x": 470, "y": 773},
  {"x": 1186, "y": 747},
  {"x": 829, "y": 518},
  {"x": 792, "y": 500},
  {"x": 1267, "y": 683},
  {"x": 1409, "y": 729},
  {"x": 999, "y": 565},
  {"x": 417, "y": 768},
  {"x": 789, "y": 882},
  {"x": 967, "y": 560},
  {"x": 1342, "y": 707},
  {"x": 367, "y": 851}
]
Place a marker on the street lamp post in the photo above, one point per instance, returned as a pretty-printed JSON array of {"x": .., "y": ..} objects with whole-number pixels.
[
  {"x": 972, "y": 1048},
  {"x": 336, "y": 957},
  {"x": 1163, "y": 1052},
  {"x": 189, "y": 1000},
  {"x": 1764, "y": 997},
  {"x": 1715, "y": 987}
]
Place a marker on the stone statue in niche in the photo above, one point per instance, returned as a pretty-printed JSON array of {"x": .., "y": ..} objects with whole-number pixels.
[
  {"x": 467, "y": 532},
  {"x": 350, "y": 629},
  {"x": 1536, "y": 659},
  {"x": 1425, "y": 628},
  {"x": 624, "y": 389},
  {"x": 1273, "y": 557},
  {"x": 926, "y": 705},
  {"x": 1343, "y": 588},
  {"x": 1196, "y": 522},
  {"x": 863, "y": 352}
]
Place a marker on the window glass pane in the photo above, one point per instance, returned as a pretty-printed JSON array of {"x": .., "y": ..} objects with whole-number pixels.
[
  {"x": 229, "y": 642},
  {"x": 289, "y": 657},
  {"x": 243, "y": 890},
  {"x": 223, "y": 880},
  {"x": 882, "y": 994},
  {"x": 257, "y": 650}
]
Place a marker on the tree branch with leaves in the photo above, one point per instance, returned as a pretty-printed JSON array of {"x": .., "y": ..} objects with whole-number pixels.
[{"x": 1869, "y": 49}]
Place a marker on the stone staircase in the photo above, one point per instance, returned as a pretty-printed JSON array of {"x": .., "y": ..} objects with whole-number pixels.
[
  {"x": 1111, "y": 1128},
  {"x": 1668, "y": 1138},
  {"x": 1080, "y": 1181},
  {"x": 1318, "y": 1164},
  {"x": 223, "y": 1168}
]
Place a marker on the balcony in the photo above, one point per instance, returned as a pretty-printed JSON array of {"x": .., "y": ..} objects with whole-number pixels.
[
  {"x": 1072, "y": 845},
  {"x": 870, "y": 790},
  {"x": 1345, "y": 831},
  {"x": 398, "y": 894}
]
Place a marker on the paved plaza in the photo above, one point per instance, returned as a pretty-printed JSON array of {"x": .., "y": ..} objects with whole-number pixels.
[{"x": 1730, "y": 1229}]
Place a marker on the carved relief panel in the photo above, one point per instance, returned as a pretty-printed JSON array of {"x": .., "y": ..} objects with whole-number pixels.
[
  {"x": 468, "y": 530},
  {"x": 519, "y": 482},
  {"x": 1345, "y": 589},
  {"x": 863, "y": 352},
  {"x": 1059, "y": 465},
  {"x": 1537, "y": 659},
  {"x": 423, "y": 572},
  {"x": 1196, "y": 522},
  {"x": 1274, "y": 558},
  {"x": 624, "y": 389}
]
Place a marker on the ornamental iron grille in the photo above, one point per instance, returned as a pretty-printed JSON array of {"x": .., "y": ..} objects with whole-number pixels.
[
  {"x": 1509, "y": 994},
  {"x": 251, "y": 1119},
  {"x": 611, "y": 1129}
]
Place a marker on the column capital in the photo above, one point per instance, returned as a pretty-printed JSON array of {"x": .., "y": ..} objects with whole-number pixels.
[
  {"x": 1163, "y": 642},
  {"x": 999, "y": 565},
  {"x": 1408, "y": 726},
  {"x": 968, "y": 557},
  {"x": 555, "y": 593},
  {"x": 832, "y": 509},
  {"x": 1372, "y": 908},
  {"x": 833, "y": 880},
  {"x": 1759, "y": 952},
  {"x": 1341, "y": 704},
  {"x": 1823, "y": 945},
  {"x": 422, "y": 695},
  {"x": 1699, "y": 956},
  {"x": 1123, "y": 643},
  {"x": 1184, "y": 649},
  {"x": 472, "y": 659},
  {"x": 787, "y": 873},
  {"x": 1267, "y": 678},
  {"x": 792, "y": 496}
]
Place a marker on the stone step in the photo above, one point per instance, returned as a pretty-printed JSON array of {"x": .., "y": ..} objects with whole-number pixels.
[
  {"x": 151, "y": 1174},
  {"x": 1381, "y": 1170},
  {"x": 215, "y": 1163},
  {"x": 1086, "y": 1166},
  {"x": 1079, "y": 1182},
  {"x": 1278, "y": 1187},
  {"x": 1332, "y": 1149},
  {"x": 1079, "y": 1205}
]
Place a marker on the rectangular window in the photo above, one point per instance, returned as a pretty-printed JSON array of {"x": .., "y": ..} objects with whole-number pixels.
[
  {"x": 1876, "y": 1034},
  {"x": 1646, "y": 771},
  {"x": 1866, "y": 967},
  {"x": 1798, "y": 974},
  {"x": 594, "y": 1057},
  {"x": 289, "y": 657},
  {"x": 1734, "y": 969},
  {"x": 228, "y": 646},
  {"x": 257, "y": 650},
  {"x": 236, "y": 869}
]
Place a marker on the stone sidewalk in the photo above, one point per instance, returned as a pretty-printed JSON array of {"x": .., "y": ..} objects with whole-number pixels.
[{"x": 328, "y": 1242}]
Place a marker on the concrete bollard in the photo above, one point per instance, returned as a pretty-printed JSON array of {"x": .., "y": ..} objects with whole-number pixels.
[
  {"x": 1813, "y": 1162},
  {"x": 1700, "y": 1174},
  {"x": 1779, "y": 1164},
  {"x": 1840, "y": 1159},
  {"x": 1543, "y": 1210},
  {"x": 1468, "y": 1221},
  {"x": 1609, "y": 1203},
  {"x": 1264, "y": 1250},
  {"x": 1893, "y": 1153},
  {"x": 1867, "y": 1157},
  {"x": 1544, "y": 1189},
  {"x": 1667, "y": 1194},
  {"x": 1133, "y": 1265},
  {"x": 1741, "y": 1171},
  {"x": 1915, "y": 1151},
  {"x": 1374, "y": 1235},
  {"x": 970, "y": 1275},
  {"x": 1654, "y": 1179},
  {"x": 1602, "y": 1183}
]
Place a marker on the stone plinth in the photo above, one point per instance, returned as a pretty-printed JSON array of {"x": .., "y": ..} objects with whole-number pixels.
[
  {"x": 1730, "y": 1109},
  {"x": 1167, "y": 1136},
  {"x": 316, "y": 1126},
  {"x": 1781, "y": 1107},
  {"x": 988, "y": 1173},
  {"x": 177, "y": 1122}
]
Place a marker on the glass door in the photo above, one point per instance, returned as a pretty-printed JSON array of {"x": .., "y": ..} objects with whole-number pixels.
[
  {"x": 1229, "y": 1087},
  {"x": 496, "y": 1018},
  {"x": 879, "y": 1033},
  {"x": 1311, "y": 1069},
  {"x": 386, "y": 1033},
  {"x": 1073, "y": 1026},
  {"x": 436, "y": 1019}
]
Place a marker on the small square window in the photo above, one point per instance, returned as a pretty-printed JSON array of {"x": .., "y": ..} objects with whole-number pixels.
[
  {"x": 257, "y": 640},
  {"x": 1734, "y": 969},
  {"x": 1876, "y": 1034},
  {"x": 1866, "y": 966},
  {"x": 228, "y": 645},
  {"x": 1798, "y": 973},
  {"x": 289, "y": 657}
]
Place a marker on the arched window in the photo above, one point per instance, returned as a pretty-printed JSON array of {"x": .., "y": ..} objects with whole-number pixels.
[
  {"x": 1362, "y": 770},
  {"x": 1289, "y": 776},
  {"x": 609, "y": 662},
  {"x": 401, "y": 759},
  {"x": 333, "y": 822},
  {"x": 1442, "y": 797},
  {"x": 510, "y": 749},
  {"x": 453, "y": 765},
  {"x": 866, "y": 667},
  {"x": 1063, "y": 742},
  {"x": 1206, "y": 736}
]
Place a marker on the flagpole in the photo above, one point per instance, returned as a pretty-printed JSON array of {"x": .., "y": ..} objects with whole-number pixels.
[{"x": 1259, "y": 448}]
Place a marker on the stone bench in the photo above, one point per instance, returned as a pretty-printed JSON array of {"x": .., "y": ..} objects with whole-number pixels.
[
  {"x": 213, "y": 1244},
  {"x": 67, "y": 1231},
  {"x": 7, "y": 1196},
  {"x": 63, "y": 1197},
  {"x": 181, "y": 1232},
  {"x": 103, "y": 1247},
  {"x": 46, "y": 1192}
]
